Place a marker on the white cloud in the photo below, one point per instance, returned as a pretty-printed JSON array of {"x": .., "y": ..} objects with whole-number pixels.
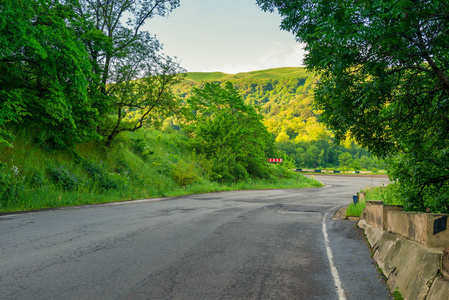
[{"x": 277, "y": 55}]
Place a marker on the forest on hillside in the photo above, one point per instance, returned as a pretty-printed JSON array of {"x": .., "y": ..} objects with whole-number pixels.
[
  {"x": 83, "y": 92},
  {"x": 78, "y": 75},
  {"x": 84, "y": 97},
  {"x": 286, "y": 103}
]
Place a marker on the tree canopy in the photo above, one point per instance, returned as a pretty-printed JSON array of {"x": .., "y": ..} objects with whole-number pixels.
[
  {"x": 285, "y": 102},
  {"x": 69, "y": 69},
  {"x": 384, "y": 80},
  {"x": 44, "y": 71},
  {"x": 121, "y": 54},
  {"x": 228, "y": 133}
]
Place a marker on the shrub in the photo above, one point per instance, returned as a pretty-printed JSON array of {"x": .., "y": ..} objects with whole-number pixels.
[
  {"x": 64, "y": 178},
  {"x": 6, "y": 184},
  {"x": 140, "y": 147},
  {"x": 37, "y": 180},
  {"x": 355, "y": 210},
  {"x": 100, "y": 175},
  {"x": 226, "y": 131},
  {"x": 185, "y": 173},
  {"x": 124, "y": 169}
]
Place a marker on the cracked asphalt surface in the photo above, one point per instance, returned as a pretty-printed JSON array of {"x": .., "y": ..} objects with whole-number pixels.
[{"x": 229, "y": 245}]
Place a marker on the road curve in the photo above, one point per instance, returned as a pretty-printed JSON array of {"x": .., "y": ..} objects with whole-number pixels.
[{"x": 229, "y": 245}]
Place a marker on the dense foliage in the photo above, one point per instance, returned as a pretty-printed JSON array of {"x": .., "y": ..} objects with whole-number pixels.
[
  {"x": 143, "y": 164},
  {"x": 285, "y": 103},
  {"x": 384, "y": 79},
  {"x": 228, "y": 133},
  {"x": 81, "y": 88},
  {"x": 121, "y": 53},
  {"x": 285, "y": 99},
  {"x": 68, "y": 69},
  {"x": 44, "y": 72},
  {"x": 324, "y": 154}
]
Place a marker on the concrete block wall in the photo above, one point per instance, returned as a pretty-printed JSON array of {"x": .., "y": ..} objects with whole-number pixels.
[
  {"x": 409, "y": 266},
  {"x": 411, "y": 248},
  {"x": 430, "y": 230},
  {"x": 376, "y": 213},
  {"x": 373, "y": 213}
]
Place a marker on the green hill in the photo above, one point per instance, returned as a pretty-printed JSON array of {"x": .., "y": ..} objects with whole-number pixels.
[
  {"x": 285, "y": 98},
  {"x": 154, "y": 163},
  {"x": 282, "y": 94},
  {"x": 203, "y": 76},
  {"x": 277, "y": 73},
  {"x": 149, "y": 162}
]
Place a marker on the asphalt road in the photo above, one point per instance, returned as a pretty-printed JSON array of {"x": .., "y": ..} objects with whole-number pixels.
[{"x": 231, "y": 245}]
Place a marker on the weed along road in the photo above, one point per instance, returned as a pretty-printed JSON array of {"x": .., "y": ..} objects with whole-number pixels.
[{"x": 278, "y": 244}]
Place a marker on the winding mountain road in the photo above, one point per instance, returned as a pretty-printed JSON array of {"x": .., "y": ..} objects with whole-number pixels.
[{"x": 277, "y": 244}]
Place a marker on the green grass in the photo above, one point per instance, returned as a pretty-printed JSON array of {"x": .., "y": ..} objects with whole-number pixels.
[
  {"x": 355, "y": 210},
  {"x": 387, "y": 194},
  {"x": 285, "y": 183},
  {"x": 277, "y": 73},
  {"x": 206, "y": 76},
  {"x": 52, "y": 197},
  {"x": 397, "y": 295},
  {"x": 208, "y": 187},
  {"x": 141, "y": 165}
]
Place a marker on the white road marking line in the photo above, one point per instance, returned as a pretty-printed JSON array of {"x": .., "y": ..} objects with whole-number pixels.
[{"x": 337, "y": 281}]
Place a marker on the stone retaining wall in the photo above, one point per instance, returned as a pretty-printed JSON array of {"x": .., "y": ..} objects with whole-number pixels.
[
  {"x": 376, "y": 213},
  {"x": 411, "y": 248},
  {"x": 430, "y": 230},
  {"x": 410, "y": 267}
]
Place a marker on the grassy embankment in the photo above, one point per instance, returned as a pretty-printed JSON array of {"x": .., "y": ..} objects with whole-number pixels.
[
  {"x": 383, "y": 193},
  {"x": 145, "y": 164}
]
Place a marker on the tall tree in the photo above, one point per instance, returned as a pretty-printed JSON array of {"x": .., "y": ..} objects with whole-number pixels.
[
  {"x": 228, "y": 132},
  {"x": 384, "y": 79},
  {"x": 44, "y": 71},
  {"x": 121, "y": 53},
  {"x": 144, "y": 101}
]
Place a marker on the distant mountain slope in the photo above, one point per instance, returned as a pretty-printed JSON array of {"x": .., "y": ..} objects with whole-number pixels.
[
  {"x": 277, "y": 73},
  {"x": 282, "y": 93},
  {"x": 285, "y": 98}
]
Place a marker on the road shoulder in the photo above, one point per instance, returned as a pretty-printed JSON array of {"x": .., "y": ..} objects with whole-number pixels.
[{"x": 354, "y": 262}]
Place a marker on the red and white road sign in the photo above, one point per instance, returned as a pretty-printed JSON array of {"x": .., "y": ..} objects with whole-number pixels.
[{"x": 275, "y": 160}]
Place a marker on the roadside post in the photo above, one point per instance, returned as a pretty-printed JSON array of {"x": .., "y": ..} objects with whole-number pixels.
[{"x": 355, "y": 198}]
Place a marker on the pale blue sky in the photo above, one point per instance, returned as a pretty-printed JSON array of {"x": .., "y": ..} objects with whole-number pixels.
[{"x": 230, "y": 36}]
